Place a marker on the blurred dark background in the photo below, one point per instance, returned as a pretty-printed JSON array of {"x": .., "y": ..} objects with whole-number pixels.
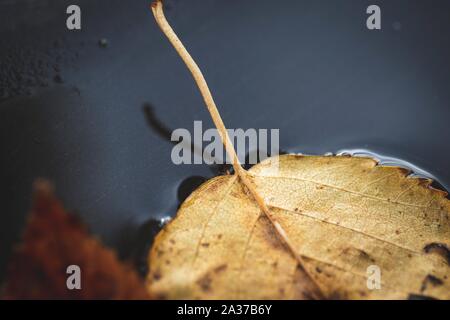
[{"x": 75, "y": 105}]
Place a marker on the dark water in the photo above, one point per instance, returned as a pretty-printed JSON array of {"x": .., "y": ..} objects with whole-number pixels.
[{"x": 91, "y": 110}]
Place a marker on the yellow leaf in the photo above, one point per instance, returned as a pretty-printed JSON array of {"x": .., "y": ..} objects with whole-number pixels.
[
  {"x": 341, "y": 214},
  {"x": 301, "y": 227}
]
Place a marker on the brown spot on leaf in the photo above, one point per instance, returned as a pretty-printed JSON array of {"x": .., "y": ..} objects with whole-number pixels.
[
  {"x": 414, "y": 296},
  {"x": 337, "y": 295},
  {"x": 160, "y": 296},
  {"x": 220, "y": 268},
  {"x": 438, "y": 248},
  {"x": 358, "y": 253},
  {"x": 430, "y": 279},
  {"x": 205, "y": 282},
  {"x": 216, "y": 185},
  {"x": 157, "y": 275},
  {"x": 302, "y": 289}
]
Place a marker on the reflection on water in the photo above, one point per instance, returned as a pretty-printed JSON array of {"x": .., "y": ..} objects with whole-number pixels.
[
  {"x": 331, "y": 86},
  {"x": 392, "y": 161}
]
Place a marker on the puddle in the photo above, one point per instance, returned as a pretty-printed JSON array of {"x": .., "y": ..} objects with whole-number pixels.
[{"x": 324, "y": 83}]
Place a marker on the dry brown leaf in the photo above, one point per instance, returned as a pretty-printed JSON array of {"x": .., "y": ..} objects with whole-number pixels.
[
  {"x": 342, "y": 214},
  {"x": 55, "y": 239}
]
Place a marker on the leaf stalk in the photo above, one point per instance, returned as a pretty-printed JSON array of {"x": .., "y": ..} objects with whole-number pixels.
[{"x": 158, "y": 12}]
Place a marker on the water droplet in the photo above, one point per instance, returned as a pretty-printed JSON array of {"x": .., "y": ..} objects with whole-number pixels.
[
  {"x": 103, "y": 42},
  {"x": 397, "y": 26},
  {"x": 164, "y": 220}
]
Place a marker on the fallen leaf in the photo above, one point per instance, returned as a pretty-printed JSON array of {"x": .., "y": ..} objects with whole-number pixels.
[
  {"x": 54, "y": 240},
  {"x": 341, "y": 214},
  {"x": 319, "y": 227}
]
